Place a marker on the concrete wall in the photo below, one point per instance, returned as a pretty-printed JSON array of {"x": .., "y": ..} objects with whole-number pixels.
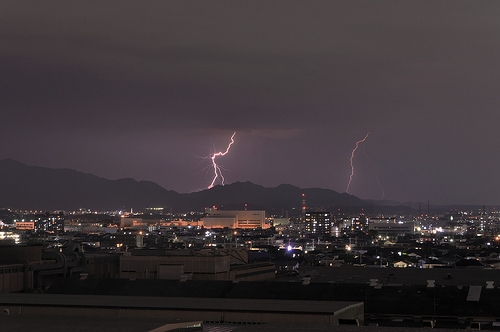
[
  {"x": 170, "y": 271},
  {"x": 11, "y": 278},
  {"x": 103, "y": 266},
  {"x": 15, "y": 253}
]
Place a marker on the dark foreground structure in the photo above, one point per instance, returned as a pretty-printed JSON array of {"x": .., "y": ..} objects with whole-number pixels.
[
  {"x": 450, "y": 299},
  {"x": 56, "y": 309},
  {"x": 377, "y": 303}
]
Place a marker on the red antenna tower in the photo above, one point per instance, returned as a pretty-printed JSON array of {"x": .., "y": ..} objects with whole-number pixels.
[{"x": 303, "y": 207}]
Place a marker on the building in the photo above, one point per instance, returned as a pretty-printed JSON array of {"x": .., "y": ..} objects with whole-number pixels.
[
  {"x": 391, "y": 228},
  {"x": 220, "y": 264},
  {"x": 49, "y": 223},
  {"x": 220, "y": 221},
  {"x": 318, "y": 223},
  {"x": 281, "y": 222},
  {"x": 25, "y": 225},
  {"x": 247, "y": 219},
  {"x": 123, "y": 240},
  {"x": 129, "y": 222},
  {"x": 116, "y": 313},
  {"x": 24, "y": 268}
]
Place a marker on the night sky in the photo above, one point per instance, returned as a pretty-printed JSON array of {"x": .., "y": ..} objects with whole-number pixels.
[{"x": 147, "y": 89}]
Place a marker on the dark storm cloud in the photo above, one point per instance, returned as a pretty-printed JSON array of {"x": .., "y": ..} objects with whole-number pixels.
[{"x": 93, "y": 85}]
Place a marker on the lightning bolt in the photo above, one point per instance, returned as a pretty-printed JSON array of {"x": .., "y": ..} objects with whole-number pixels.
[
  {"x": 217, "y": 170},
  {"x": 352, "y": 157}
]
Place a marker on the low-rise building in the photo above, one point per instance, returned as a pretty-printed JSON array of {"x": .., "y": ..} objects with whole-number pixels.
[{"x": 246, "y": 219}]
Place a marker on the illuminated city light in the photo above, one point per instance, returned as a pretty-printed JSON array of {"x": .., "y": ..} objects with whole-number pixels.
[
  {"x": 217, "y": 170},
  {"x": 352, "y": 157}
]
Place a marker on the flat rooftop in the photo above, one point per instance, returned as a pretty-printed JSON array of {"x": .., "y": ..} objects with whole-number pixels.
[
  {"x": 402, "y": 276},
  {"x": 177, "y": 303},
  {"x": 54, "y": 323},
  {"x": 64, "y": 324},
  {"x": 312, "y": 328}
]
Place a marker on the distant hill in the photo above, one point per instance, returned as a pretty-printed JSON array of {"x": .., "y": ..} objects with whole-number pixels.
[
  {"x": 33, "y": 187},
  {"x": 284, "y": 197}
]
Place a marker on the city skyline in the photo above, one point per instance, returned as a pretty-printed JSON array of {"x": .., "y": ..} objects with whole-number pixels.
[{"x": 151, "y": 91}]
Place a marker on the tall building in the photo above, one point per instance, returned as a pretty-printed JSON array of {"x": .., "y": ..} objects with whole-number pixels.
[{"x": 303, "y": 209}]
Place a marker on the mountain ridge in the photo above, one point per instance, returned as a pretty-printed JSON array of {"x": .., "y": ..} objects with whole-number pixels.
[{"x": 36, "y": 187}]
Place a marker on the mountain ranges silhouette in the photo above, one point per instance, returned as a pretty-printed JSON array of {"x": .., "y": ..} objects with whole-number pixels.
[{"x": 34, "y": 187}]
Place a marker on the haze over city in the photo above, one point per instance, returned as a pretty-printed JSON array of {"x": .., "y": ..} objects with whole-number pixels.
[{"x": 151, "y": 90}]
